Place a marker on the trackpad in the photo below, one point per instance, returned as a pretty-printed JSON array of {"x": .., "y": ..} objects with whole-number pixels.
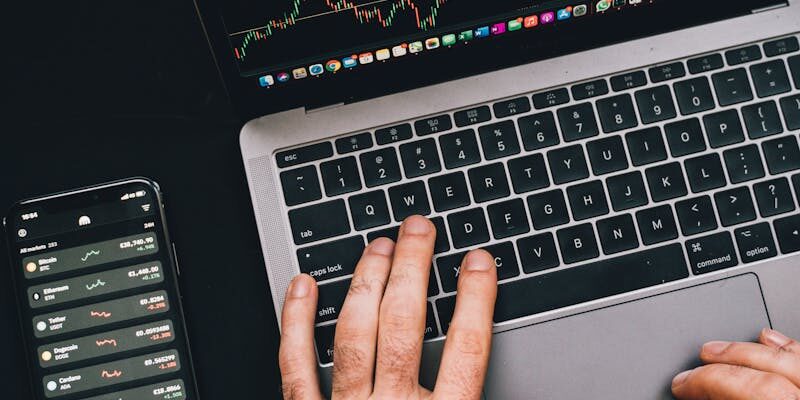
[{"x": 629, "y": 351}]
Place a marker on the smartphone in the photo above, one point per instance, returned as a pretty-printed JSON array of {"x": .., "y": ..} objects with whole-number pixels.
[{"x": 95, "y": 276}]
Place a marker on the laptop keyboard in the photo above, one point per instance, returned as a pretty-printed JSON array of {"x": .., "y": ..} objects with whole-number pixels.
[{"x": 581, "y": 192}]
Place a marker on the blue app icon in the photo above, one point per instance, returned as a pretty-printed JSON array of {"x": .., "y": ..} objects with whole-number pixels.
[
  {"x": 349, "y": 62},
  {"x": 564, "y": 13},
  {"x": 482, "y": 32},
  {"x": 266, "y": 81}
]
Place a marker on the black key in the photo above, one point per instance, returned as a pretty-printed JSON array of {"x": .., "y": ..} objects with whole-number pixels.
[
  {"x": 330, "y": 301},
  {"x": 568, "y": 164},
  {"x": 431, "y": 331},
  {"x": 589, "y": 282},
  {"x": 449, "y": 267},
  {"x": 627, "y": 81},
  {"x": 303, "y": 155},
  {"x": 505, "y": 259},
  {"x": 655, "y": 104},
  {"x": 667, "y": 72},
  {"x": 369, "y": 210},
  {"x": 460, "y": 149},
  {"x": 627, "y": 191},
  {"x": 607, "y": 155},
  {"x": 794, "y": 66},
  {"x": 617, "y": 234},
  {"x": 666, "y": 182},
  {"x": 705, "y": 63},
  {"x": 774, "y": 197},
  {"x": 646, "y": 146},
  {"x": 340, "y": 176},
  {"x": 445, "y": 307},
  {"x": 685, "y": 137},
  {"x": 617, "y": 113},
  {"x": 308, "y": 227},
  {"x": 538, "y": 252},
  {"x": 511, "y": 107},
  {"x": 468, "y": 228},
  {"x": 578, "y": 243},
  {"x": 696, "y": 216},
  {"x": 724, "y": 128},
  {"x": 781, "y": 46},
  {"x": 489, "y": 182},
  {"x": 508, "y": 219},
  {"x": 499, "y": 140},
  {"x": 782, "y": 154},
  {"x": 762, "y": 120},
  {"x": 409, "y": 199},
  {"x": 300, "y": 185},
  {"x": 528, "y": 173},
  {"x": 788, "y": 233},
  {"x": 578, "y": 122},
  {"x": 711, "y": 253},
  {"x": 324, "y": 336},
  {"x": 427, "y": 126},
  {"x": 420, "y": 158},
  {"x": 732, "y": 87},
  {"x": 770, "y": 78},
  {"x": 587, "y": 90},
  {"x": 744, "y": 164},
  {"x": 538, "y": 131},
  {"x": 791, "y": 112},
  {"x": 548, "y": 209},
  {"x": 353, "y": 143},
  {"x": 587, "y": 200},
  {"x": 657, "y": 225},
  {"x": 755, "y": 243},
  {"x": 472, "y": 116},
  {"x": 743, "y": 55},
  {"x": 331, "y": 260},
  {"x": 705, "y": 173},
  {"x": 380, "y": 167},
  {"x": 551, "y": 98},
  {"x": 796, "y": 184},
  {"x": 735, "y": 206},
  {"x": 449, "y": 191},
  {"x": 390, "y": 233},
  {"x": 694, "y": 96},
  {"x": 442, "y": 243},
  {"x": 433, "y": 285},
  {"x": 393, "y": 134}
]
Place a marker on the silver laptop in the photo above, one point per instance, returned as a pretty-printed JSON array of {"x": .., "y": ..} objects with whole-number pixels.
[{"x": 633, "y": 165}]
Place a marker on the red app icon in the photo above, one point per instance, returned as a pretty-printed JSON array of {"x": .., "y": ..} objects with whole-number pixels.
[{"x": 531, "y": 21}]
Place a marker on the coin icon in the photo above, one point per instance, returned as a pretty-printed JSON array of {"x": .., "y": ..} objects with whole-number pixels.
[{"x": 30, "y": 267}]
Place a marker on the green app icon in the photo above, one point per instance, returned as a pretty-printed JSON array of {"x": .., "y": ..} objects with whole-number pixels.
[
  {"x": 448, "y": 40},
  {"x": 465, "y": 36},
  {"x": 514, "y": 25}
]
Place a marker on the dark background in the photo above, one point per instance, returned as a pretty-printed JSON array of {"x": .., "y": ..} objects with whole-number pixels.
[{"x": 98, "y": 91}]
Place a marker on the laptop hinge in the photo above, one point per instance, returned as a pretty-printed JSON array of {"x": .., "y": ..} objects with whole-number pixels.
[
  {"x": 770, "y": 8},
  {"x": 323, "y": 108}
]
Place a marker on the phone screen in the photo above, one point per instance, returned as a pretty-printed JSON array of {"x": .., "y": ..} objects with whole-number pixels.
[{"x": 96, "y": 283}]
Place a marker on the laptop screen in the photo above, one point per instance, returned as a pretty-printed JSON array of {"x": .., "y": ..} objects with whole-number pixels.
[{"x": 290, "y": 53}]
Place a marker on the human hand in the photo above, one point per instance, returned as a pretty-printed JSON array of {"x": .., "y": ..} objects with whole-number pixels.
[
  {"x": 379, "y": 333},
  {"x": 768, "y": 370}
]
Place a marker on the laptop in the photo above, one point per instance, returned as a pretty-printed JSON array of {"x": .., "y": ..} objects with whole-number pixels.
[{"x": 633, "y": 165}]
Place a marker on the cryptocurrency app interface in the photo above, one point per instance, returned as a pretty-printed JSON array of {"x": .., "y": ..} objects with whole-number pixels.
[{"x": 98, "y": 296}]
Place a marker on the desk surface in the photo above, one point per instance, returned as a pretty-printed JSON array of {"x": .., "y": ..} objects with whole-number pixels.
[{"x": 103, "y": 91}]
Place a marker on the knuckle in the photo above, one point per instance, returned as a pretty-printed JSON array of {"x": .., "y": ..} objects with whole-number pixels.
[
  {"x": 361, "y": 285},
  {"x": 773, "y": 383},
  {"x": 468, "y": 341},
  {"x": 293, "y": 390}
]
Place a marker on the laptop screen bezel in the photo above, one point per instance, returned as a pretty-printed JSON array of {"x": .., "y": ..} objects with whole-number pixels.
[{"x": 251, "y": 101}]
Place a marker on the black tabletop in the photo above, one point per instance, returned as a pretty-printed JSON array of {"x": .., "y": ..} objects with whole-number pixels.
[{"x": 100, "y": 91}]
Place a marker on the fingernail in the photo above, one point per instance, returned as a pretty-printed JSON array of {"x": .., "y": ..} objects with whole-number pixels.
[
  {"x": 776, "y": 338},
  {"x": 416, "y": 225},
  {"x": 715, "y": 347},
  {"x": 680, "y": 378},
  {"x": 382, "y": 246},
  {"x": 299, "y": 287},
  {"x": 474, "y": 262}
]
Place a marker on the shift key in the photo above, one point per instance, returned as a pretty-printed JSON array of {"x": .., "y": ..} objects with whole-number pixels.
[
  {"x": 320, "y": 221},
  {"x": 331, "y": 260}
]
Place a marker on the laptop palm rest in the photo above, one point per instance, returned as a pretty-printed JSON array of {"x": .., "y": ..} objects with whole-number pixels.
[{"x": 628, "y": 351}]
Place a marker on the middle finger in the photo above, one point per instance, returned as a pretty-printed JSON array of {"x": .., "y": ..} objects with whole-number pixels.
[{"x": 402, "y": 316}]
